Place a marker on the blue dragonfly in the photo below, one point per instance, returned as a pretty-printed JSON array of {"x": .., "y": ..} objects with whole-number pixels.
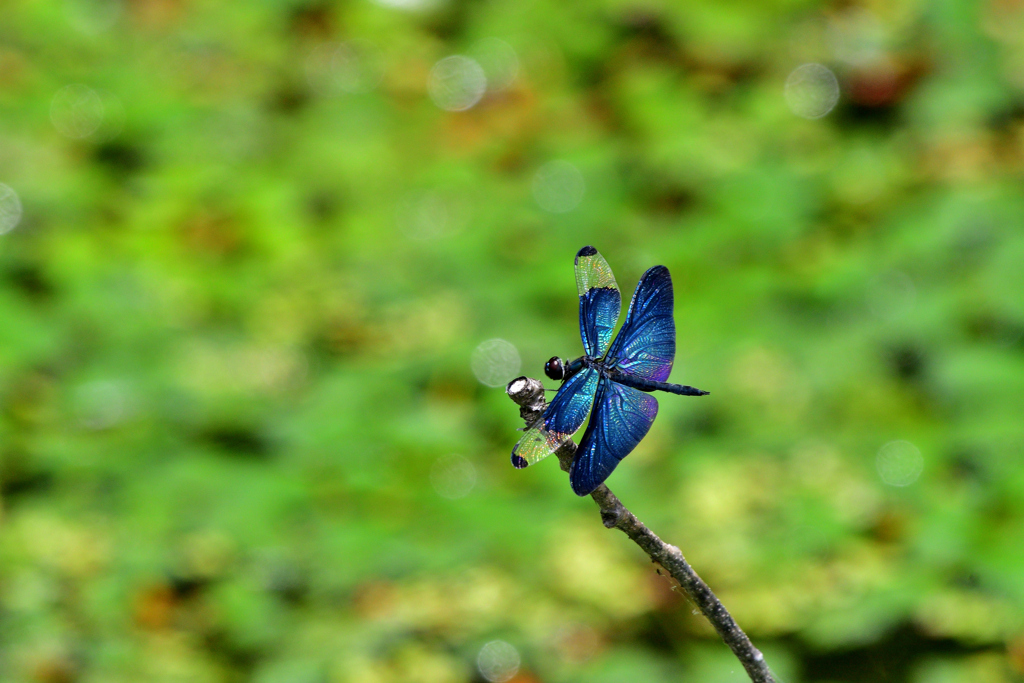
[{"x": 614, "y": 380}]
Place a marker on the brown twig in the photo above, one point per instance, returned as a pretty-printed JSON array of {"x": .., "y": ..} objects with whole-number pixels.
[{"x": 528, "y": 393}]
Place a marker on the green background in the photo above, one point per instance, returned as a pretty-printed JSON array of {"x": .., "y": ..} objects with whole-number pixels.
[{"x": 240, "y": 431}]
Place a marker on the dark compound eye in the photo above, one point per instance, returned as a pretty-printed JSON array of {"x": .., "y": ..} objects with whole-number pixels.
[{"x": 553, "y": 368}]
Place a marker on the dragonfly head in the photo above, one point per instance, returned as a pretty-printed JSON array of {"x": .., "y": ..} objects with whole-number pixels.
[{"x": 554, "y": 368}]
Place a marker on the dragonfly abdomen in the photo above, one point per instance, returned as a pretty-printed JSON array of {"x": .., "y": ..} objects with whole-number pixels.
[{"x": 650, "y": 385}]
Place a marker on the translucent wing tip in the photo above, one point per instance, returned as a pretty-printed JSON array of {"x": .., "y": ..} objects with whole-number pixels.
[
  {"x": 537, "y": 443},
  {"x": 585, "y": 251}
]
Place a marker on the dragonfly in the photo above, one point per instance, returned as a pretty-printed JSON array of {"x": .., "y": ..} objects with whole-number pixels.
[{"x": 613, "y": 380}]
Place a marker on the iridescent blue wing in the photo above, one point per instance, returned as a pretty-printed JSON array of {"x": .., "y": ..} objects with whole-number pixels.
[
  {"x": 646, "y": 345},
  {"x": 600, "y": 301},
  {"x": 622, "y": 416},
  {"x": 562, "y": 418}
]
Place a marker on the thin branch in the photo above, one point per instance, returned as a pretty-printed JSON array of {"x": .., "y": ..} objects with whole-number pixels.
[{"x": 528, "y": 393}]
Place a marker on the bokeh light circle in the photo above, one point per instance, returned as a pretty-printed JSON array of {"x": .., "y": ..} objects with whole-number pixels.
[
  {"x": 558, "y": 186},
  {"x": 410, "y": 5},
  {"x": 812, "y": 91},
  {"x": 77, "y": 111},
  {"x": 319, "y": 68},
  {"x": 453, "y": 477},
  {"x": 891, "y": 295},
  {"x": 499, "y": 61},
  {"x": 429, "y": 215},
  {"x": 495, "y": 362},
  {"x": 352, "y": 67},
  {"x": 10, "y": 209},
  {"x": 457, "y": 83},
  {"x": 357, "y": 66},
  {"x": 498, "y": 661},
  {"x": 93, "y": 17},
  {"x": 103, "y": 404},
  {"x": 899, "y": 463}
]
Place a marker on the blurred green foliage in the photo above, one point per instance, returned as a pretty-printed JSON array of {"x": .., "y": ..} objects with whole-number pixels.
[{"x": 241, "y": 438}]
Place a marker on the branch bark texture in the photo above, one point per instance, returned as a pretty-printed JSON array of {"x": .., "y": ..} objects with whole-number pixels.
[{"x": 528, "y": 393}]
